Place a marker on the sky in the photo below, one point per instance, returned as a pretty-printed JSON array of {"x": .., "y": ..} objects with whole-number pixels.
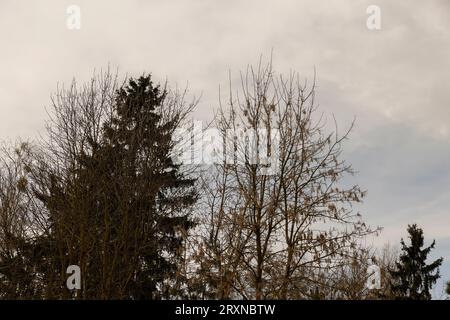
[{"x": 393, "y": 80}]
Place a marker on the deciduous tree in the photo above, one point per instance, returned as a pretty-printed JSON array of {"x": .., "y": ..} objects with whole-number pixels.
[{"x": 276, "y": 214}]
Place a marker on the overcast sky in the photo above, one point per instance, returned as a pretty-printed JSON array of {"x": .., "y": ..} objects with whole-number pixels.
[{"x": 395, "y": 80}]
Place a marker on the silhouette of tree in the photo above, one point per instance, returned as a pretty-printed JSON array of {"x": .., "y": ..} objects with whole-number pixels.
[
  {"x": 105, "y": 195},
  {"x": 413, "y": 278}
]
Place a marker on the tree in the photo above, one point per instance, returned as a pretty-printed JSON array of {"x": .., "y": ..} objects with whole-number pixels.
[
  {"x": 145, "y": 186},
  {"x": 108, "y": 196},
  {"x": 413, "y": 278},
  {"x": 447, "y": 289},
  {"x": 276, "y": 217},
  {"x": 17, "y": 268}
]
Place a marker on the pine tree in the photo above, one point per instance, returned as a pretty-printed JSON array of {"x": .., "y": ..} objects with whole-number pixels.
[
  {"x": 140, "y": 146},
  {"x": 413, "y": 278},
  {"x": 122, "y": 210}
]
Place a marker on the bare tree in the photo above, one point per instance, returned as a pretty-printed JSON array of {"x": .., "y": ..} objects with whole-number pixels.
[
  {"x": 106, "y": 195},
  {"x": 350, "y": 280},
  {"x": 273, "y": 228},
  {"x": 19, "y": 275}
]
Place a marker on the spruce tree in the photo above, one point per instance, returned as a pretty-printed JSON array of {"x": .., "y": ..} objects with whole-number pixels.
[
  {"x": 413, "y": 278},
  {"x": 140, "y": 145},
  {"x": 122, "y": 210}
]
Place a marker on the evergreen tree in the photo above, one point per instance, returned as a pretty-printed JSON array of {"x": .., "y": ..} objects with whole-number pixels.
[
  {"x": 413, "y": 278},
  {"x": 139, "y": 143},
  {"x": 122, "y": 210}
]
